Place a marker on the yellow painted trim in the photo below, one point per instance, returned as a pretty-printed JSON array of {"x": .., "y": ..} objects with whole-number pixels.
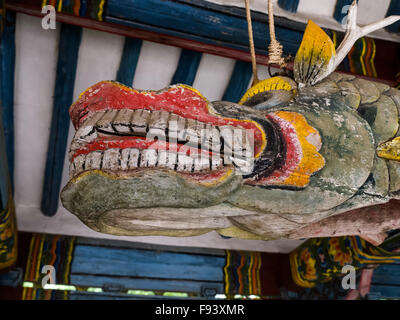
[
  {"x": 236, "y": 232},
  {"x": 274, "y": 83},
  {"x": 373, "y": 58},
  {"x": 228, "y": 260},
  {"x": 68, "y": 266},
  {"x": 334, "y": 36},
  {"x": 113, "y": 176},
  {"x": 28, "y": 267},
  {"x": 390, "y": 150},
  {"x": 295, "y": 274},
  {"x": 258, "y": 272},
  {"x": 311, "y": 161},
  {"x": 101, "y": 9},
  {"x": 8, "y": 215},
  {"x": 364, "y": 70},
  {"x": 390, "y": 259},
  {"x": 60, "y": 4},
  {"x": 249, "y": 273}
]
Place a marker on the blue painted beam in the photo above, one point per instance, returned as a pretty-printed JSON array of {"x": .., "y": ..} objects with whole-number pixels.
[
  {"x": 341, "y": 10},
  {"x": 7, "y": 67},
  {"x": 187, "y": 67},
  {"x": 394, "y": 9},
  {"x": 70, "y": 39},
  {"x": 289, "y": 5},
  {"x": 194, "y": 20},
  {"x": 146, "y": 264},
  {"x": 386, "y": 291},
  {"x": 239, "y": 82},
  {"x": 129, "y": 59}
]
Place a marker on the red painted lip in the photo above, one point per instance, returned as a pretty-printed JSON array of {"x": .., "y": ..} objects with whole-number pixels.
[
  {"x": 179, "y": 99},
  {"x": 125, "y": 142}
]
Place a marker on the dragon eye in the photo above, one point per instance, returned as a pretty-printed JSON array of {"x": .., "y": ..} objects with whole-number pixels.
[{"x": 269, "y": 93}]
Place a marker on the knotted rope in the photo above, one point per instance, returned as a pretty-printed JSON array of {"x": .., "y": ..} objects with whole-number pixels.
[{"x": 275, "y": 49}]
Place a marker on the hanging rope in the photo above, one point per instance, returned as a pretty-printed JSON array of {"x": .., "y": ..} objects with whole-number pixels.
[
  {"x": 275, "y": 49},
  {"x": 251, "y": 43}
]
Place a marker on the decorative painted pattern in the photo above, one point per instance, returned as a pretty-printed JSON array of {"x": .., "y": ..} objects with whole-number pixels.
[
  {"x": 8, "y": 236},
  {"x": 302, "y": 158},
  {"x": 320, "y": 260},
  {"x": 275, "y": 83},
  {"x": 242, "y": 273},
  {"x": 82, "y": 8},
  {"x": 52, "y": 250}
]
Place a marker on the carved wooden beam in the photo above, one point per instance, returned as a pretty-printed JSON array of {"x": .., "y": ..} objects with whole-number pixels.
[
  {"x": 370, "y": 223},
  {"x": 215, "y": 48}
]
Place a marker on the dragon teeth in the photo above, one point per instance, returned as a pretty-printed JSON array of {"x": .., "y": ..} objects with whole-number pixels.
[
  {"x": 158, "y": 124},
  {"x": 122, "y": 122},
  {"x": 93, "y": 160},
  {"x": 148, "y": 158},
  {"x": 77, "y": 165},
  {"x": 105, "y": 123},
  {"x": 111, "y": 159},
  {"x": 185, "y": 163},
  {"x": 139, "y": 121},
  {"x": 134, "y": 155}
]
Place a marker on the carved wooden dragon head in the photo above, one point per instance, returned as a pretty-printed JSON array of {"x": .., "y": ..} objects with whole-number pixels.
[{"x": 291, "y": 152}]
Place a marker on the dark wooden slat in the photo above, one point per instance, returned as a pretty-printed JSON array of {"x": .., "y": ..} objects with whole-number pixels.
[
  {"x": 198, "y": 21},
  {"x": 7, "y": 52},
  {"x": 70, "y": 39},
  {"x": 289, "y": 5},
  {"x": 187, "y": 67},
  {"x": 239, "y": 82},
  {"x": 394, "y": 9},
  {"x": 172, "y": 40},
  {"x": 147, "y": 264},
  {"x": 129, "y": 59},
  {"x": 144, "y": 284}
]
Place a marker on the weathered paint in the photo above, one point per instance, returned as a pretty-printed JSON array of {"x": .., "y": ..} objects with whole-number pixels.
[
  {"x": 390, "y": 150},
  {"x": 314, "y": 57},
  {"x": 318, "y": 138}
]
